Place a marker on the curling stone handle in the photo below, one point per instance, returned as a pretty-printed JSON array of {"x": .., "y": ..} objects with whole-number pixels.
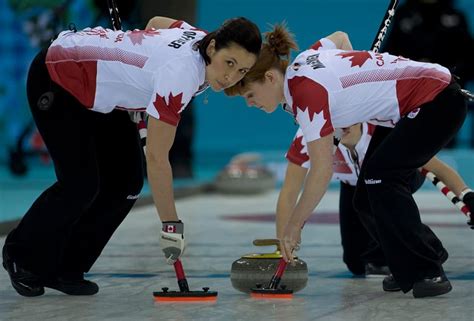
[
  {"x": 182, "y": 282},
  {"x": 267, "y": 242}
]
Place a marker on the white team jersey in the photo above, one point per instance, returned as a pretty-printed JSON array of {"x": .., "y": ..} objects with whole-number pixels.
[
  {"x": 346, "y": 166},
  {"x": 154, "y": 70},
  {"x": 327, "y": 88}
]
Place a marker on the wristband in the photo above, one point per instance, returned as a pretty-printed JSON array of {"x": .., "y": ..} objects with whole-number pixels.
[{"x": 173, "y": 227}]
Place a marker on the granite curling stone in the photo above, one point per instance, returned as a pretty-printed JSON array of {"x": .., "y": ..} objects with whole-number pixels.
[{"x": 254, "y": 270}]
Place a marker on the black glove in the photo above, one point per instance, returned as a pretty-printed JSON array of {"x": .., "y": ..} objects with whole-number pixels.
[{"x": 468, "y": 199}]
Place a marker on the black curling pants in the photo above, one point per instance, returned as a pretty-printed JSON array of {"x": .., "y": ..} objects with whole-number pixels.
[
  {"x": 383, "y": 197},
  {"x": 358, "y": 246},
  {"x": 98, "y": 163}
]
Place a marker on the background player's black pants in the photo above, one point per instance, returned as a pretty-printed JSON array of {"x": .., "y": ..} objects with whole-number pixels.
[
  {"x": 383, "y": 197},
  {"x": 98, "y": 164},
  {"x": 358, "y": 246}
]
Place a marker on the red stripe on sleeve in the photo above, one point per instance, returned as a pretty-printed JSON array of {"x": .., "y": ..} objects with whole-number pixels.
[
  {"x": 318, "y": 44},
  {"x": 176, "y": 24}
]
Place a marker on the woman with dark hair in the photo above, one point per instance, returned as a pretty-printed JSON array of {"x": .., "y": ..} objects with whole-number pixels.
[{"x": 79, "y": 91}]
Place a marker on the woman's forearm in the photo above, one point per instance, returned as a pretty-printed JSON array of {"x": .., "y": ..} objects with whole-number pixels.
[
  {"x": 294, "y": 178},
  {"x": 447, "y": 175},
  {"x": 285, "y": 206},
  {"x": 341, "y": 40},
  {"x": 314, "y": 189},
  {"x": 160, "y": 179},
  {"x": 159, "y": 23}
]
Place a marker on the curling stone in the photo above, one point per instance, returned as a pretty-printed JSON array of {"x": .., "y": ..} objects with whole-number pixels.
[
  {"x": 253, "y": 270},
  {"x": 245, "y": 175}
]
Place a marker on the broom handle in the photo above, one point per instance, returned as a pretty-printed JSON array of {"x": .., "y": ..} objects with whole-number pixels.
[
  {"x": 182, "y": 282},
  {"x": 447, "y": 192},
  {"x": 276, "y": 278}
]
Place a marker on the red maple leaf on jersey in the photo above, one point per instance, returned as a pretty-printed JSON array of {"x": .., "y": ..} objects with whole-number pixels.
[
  {"x": 298, "y": 148},
  {"x": 311, "y": 98},
  {"x": 308, "y": 94},
  {"x": 137, "y": 36},
  {"x": 358, "y": 58},
  {"x": 169, "y": 111}
]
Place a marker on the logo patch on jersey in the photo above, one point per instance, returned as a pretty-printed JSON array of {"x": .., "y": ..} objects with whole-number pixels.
[
  {"x": 372, "y": 181},
  {"x": 295, "y": 66},
  {"x": 357, "y": 58},
  {"x": 313, "y": 61},
  {"x": 137, "y": 36},
  {"x": 413, "y": 113}
]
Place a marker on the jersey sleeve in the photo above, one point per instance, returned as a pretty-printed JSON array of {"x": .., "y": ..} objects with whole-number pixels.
[
  {"x": 298, "y": 153},
  {"x": 323, "y": 44},
  {"x": 310, "y": 107},
  {"x": 175, "y": 86}
]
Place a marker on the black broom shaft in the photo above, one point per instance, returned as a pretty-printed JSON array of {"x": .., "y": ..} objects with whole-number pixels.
[
  {"x": 382, "y": 31},
  {"x": 114, "y": 15}
]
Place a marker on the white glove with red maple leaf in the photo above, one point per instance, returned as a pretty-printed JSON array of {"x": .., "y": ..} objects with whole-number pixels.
[{"x": 172, "y": 240}]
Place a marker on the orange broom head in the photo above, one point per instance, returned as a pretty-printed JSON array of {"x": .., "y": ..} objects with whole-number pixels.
[{"x": 270, "y": 295}]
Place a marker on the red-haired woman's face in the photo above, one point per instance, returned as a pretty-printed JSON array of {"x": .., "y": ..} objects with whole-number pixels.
[
  {"x": 265, "y": 95},
  {"x": 228, "y": 65}
]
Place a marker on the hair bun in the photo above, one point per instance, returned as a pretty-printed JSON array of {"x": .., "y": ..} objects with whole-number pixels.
[{"x": 280, "y": 40}]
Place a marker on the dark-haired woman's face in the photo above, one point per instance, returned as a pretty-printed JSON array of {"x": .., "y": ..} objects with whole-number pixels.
[{"x": 228, "y": 65}]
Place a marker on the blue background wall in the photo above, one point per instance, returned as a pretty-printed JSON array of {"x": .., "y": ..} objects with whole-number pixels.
[{"x": 226, "y": 126}]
